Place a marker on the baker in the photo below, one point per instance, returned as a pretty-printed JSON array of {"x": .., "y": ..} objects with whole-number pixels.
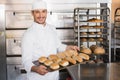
[{"x": 40, "y": 40}]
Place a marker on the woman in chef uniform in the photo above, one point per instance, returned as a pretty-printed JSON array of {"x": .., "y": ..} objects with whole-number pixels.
[{"x": 40, "y": 40}]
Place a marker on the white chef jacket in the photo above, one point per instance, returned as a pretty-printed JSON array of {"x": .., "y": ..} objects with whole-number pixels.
[{"x": 38, "y": 41}]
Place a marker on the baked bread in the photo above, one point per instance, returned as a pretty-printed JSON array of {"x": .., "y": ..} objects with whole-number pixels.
[
  {"x": 83, "y": 39},
  {"x": 91, "y": 39},
  {"x": 98, "y": 33},
  {"x": 84, "y": 56},
  {"x": 68, "y": 53},
  {"x": 83, "y": 33},
  {"x": 95, "y": 20},
  {"x": 86, "y": 50},
  {"x": 48, "y": 62},
  {"x": 77, "y": 58},
  {"x": 61, "y": 55},
  {"x": 64, "y": 63},
  {"x": 93, "y": 47},
  {"x": 100, "y": 39},
  {"x": 99, "y": 50},
  {"x": 70, "y": 60},
  {"x": 52, "y": 56},
  {"x": 42, "y": 59},
  {"x": 98, "y": 26},
  {"x": 57, "y": 60},
  {"x": 84, "y": 26},
  {"x": 91, "y": 33},
  {"x": 54, "y": 66},
  {"x": 72, "y": 53}
]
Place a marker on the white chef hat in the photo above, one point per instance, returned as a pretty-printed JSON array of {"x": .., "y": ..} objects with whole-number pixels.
[{"x": 39, "y": 4}]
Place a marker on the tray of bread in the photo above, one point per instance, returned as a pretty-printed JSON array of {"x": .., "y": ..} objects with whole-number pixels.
[{"x": 62, "y": 60}]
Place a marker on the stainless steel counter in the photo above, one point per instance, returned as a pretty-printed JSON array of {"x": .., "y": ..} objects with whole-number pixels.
[{"x": 102, "y": 71}]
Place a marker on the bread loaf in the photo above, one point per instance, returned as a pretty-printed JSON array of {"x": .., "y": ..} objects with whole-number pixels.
[{"x": 42, "y": 59}]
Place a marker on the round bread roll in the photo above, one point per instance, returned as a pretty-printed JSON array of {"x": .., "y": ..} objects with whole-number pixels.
[
  {"x": 91, "y": 39},
  {"x": 84, "y": 26},
  {"x": 78, "y": 58},
  {"x": 83, "y": 33},
  {"x": 99, "y": 50},
  {"x": 100, "y": 39},
  {"x": 42, "y": 59},
  {"x": 68, "y": 53},
  {"x": 98, "y": 26},
  {"x": 57, "y": 60},
  {"x": 93, "y": 47},
  {"x": 52, "y": 56},
  {"x": 72, "y": 53},
  {"x": 48, "y": 62},
  {"x": 86, "y": 50},
  {"x": 91, "y": 33},
  {"x": 95, "y": 20},
  {"x": 83, "y": 39},
  {"x": 54, "y": 66},
  {"x": 99, "y": 33},
  {"x": 70, "y": 60},
  {"x": 61, "y": 55},
  {"x": 64, "y": 63},
  {"x": 84, "y": 56}
]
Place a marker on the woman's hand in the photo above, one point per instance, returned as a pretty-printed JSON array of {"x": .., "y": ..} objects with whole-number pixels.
[
  {"x": 71, "y": 47},
  {"x": 42, "y": 70}
]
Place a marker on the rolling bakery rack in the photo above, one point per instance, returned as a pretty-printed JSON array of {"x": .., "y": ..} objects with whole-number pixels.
[
  {"x": 116, "y": 33},
  {"x": 95, "y": 32}
]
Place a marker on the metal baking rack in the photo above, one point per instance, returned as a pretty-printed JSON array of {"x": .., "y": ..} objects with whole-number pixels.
[{"x": 81, "y": 17}]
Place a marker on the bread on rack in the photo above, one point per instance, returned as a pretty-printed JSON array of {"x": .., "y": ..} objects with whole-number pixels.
[
  {"x": 83, "y": 33},
  {"x": 91, "y": 33},
  {"x": 99, "y": 33},
  {"x": 95, "y": 20},
  {"x": 100, "y": 39},
  {"x": 83, "y": 39},
  {"x": 54, "y": 66},
  {"x": 97, "y": 50},
  {"x": 84, "y": 26},
  {"x": 98, "y": 26},
  {"x": 42, "y": 59},
  {"x": 91, "y": 39}
]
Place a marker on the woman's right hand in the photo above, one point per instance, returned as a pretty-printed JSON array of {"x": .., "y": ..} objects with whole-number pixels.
[{"x": 42, "y": 70}]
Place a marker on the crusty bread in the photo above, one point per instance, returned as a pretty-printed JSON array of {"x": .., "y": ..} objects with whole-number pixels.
[
  {"x": 84, "y": 26},
  {"x": 86, "y": 50},
  {"x": 83, "y": 39},
  {"x": 84, "y": 56},
  {"x": 95, "y": 20},
  {"x": 91, "y": 33},
  {"x": 42, "y": 59},
  {"x": 48, "y": 62},
  {"x": 83, "y": 33},
  {"x": 93, "y": 47},
  {"x": 99, "y": 50},
  {"x": 71, "y": 60},
  {"x": 52, "y": 56},
  {"x": 64, "y": 63},
  {"x": 99, "y": 33},
  {"x": 57, "y": 60},
  {"x": 61, "y": 55},
  {"x": 100, "y": 39},
  {"x": 77, "y": 58},
  {"x": 54, "y": 66},
  {"x": 91, "y": 39},
  {"x": 68, "y": 53},
  {"x": 72, "y": 53}
]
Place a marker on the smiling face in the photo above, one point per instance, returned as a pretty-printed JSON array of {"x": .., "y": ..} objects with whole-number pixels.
[{"x": 40, "y": 16}]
